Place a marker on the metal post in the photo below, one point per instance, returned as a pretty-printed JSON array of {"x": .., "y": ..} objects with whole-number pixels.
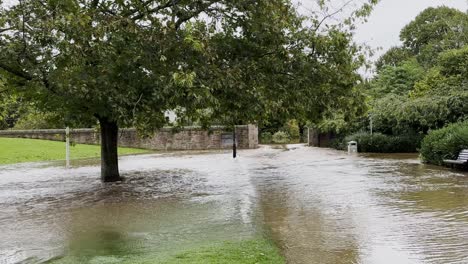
[
  {"x": 371, "y": 124},
  {"x": 67, "y": 147},
  {"x": 234, "y": 143}
]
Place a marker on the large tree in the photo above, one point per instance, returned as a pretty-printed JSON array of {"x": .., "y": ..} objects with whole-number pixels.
[
  {"x": 127, "y": 62},
  {"x": 433, "y": 31}
]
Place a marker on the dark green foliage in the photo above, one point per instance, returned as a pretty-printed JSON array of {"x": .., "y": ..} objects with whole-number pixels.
[
  {"x": 444, "y": 143},
  {"x": 266, "y": 137},
  {"x": 281, "y": 137},
  {"x": 380, "y": 143},
  {"x": 435, "y": 30},
  {"x": 397, "y": 80},
  {"x": 394, "y": 57},
  {"x": 10, "y": 110},
  {"x": 454, "y": 62},
  {"x": 399, "y": 114},
  {"x": 287, "y": 133},
  {"x": 423, "y": 84},
  {"x": 292, "y": 129}
]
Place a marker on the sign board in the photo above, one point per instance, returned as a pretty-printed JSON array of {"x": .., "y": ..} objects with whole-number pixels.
[{"x": 226, "y": 139}]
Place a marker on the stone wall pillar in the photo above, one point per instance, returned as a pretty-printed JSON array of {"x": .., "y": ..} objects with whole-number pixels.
[
  {"x": 313, "y": 137},
  {"x": 252, "y": 136}
]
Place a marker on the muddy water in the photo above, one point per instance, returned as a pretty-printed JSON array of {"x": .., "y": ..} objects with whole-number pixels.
[{"x": 318, "y": 205}]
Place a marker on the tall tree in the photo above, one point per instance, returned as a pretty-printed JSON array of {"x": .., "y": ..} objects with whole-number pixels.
[{"x": 435, "y": 30}]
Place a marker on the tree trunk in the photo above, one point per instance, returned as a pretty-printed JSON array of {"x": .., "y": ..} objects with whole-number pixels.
[
  {"x": 109, "y": 156},
  {"x": 234, "y": 145}
]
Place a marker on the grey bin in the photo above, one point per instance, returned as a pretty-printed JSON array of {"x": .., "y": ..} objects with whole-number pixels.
[{"x": 352, "y": 147}]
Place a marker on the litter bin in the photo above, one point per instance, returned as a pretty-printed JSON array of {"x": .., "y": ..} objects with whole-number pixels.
[{"x": 352, "y": 147}]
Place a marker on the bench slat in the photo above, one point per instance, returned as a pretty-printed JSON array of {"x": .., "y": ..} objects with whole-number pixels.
[{"x": 459, "y": 162}]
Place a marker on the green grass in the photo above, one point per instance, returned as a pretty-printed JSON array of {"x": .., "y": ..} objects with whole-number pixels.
[
  {"x": 246, "y": 252},
  {"x": 258, "y": 251},
  {"x": 17, "y": 150}
]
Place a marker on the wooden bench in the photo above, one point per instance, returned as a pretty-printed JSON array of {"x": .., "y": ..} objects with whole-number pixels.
[{"x": 462, "y": 159}]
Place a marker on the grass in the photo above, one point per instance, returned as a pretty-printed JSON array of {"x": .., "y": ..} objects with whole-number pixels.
[
  {"x": 17, "y": 150},
  {"x": 257, "y": 251},
  {"x": 246, "y": 252}
]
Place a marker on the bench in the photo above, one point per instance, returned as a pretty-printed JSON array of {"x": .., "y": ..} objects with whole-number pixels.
[{"x": 462, "y": 159}]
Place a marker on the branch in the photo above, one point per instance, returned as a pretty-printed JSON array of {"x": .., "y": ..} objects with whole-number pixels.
[
  {"x": 332, "y": 14},
  {"x": 95, "y": 3},
  {"x": 5, "y": 29},
  {"x": 3, "y": 91},
  {"x": 169, "y": 3},
  {"x": 16, "y": 72},
  {"x": 203, "y": 8}
]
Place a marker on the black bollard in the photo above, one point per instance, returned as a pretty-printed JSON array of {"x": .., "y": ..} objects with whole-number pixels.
[{"x": 234, "y": 145}]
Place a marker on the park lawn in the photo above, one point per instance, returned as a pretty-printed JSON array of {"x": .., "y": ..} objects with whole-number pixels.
[
  {"x": 17, "y": 150},
  {"x": 255, "y": 251},
  {"x": 246, "y": 252}
]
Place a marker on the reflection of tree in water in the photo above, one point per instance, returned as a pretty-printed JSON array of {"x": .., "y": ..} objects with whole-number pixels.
[
  {"x": 430, "y": 202},
  {"x": 427, "y": 188},
  {"x": 302, "y": 231},
  {"x": 103, "y": 241}
]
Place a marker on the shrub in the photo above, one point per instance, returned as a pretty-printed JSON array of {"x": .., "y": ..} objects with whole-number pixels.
[
  {"x": 281, "y": 137},
  {"x": 266, "y": 137},
  {"x": 292, "y": 128},
  {"x": 444, "y": 143},
  {"x": 37, "y": 120},
  {"x": 380, "y": 143}
]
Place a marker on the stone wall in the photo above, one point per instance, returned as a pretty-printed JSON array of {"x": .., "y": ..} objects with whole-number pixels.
[{"x": 189, "y": 138}]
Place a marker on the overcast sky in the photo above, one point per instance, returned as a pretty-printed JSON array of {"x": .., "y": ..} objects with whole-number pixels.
[{"x": 390, "y": 16}]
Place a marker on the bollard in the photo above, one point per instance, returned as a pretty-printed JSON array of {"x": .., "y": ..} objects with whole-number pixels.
[{"x": 67, "y": 147}]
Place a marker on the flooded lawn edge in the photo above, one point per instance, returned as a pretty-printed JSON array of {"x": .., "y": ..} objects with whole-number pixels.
[{"x": 257, "y": 250}]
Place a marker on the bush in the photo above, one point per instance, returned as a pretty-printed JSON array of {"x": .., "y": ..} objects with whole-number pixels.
[
  {"x": 37, "y": 120},
  {"x": 292, "y": 128},
  {"x": 266, "y": 137},
  {"x": 444, "y": 143},
  {"x": 281, "y": 137},
  {"x": 380, "y": 143}
]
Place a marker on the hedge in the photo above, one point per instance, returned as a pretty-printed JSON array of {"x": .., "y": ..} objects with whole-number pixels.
[{"x": 381, "y": 143}]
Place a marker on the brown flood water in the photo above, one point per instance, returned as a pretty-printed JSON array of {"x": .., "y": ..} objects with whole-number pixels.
[{"x": 318, "y": 205}]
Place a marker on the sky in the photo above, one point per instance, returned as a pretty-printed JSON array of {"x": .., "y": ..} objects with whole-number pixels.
[{"x": 390, "y": 16}]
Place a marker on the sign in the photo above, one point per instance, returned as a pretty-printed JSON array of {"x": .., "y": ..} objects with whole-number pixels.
[{"x": 226, "y": 139}]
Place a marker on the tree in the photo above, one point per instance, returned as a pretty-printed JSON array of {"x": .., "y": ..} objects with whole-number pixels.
[
  {"x": 435, "y": 30},
  {"x": 397, "y": 80},
  {"x": 394, "y": 57}
]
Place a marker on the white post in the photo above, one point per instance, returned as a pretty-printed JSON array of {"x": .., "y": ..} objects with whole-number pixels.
[{"x": 67, "y": 147}]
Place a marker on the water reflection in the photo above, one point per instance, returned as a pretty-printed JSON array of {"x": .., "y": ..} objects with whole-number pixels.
[{"x": 320, "y": 206}]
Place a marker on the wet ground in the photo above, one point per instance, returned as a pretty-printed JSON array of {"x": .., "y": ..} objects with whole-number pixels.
[{"x": 318, "y": 205}]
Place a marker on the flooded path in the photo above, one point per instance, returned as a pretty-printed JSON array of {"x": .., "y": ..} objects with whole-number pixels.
[{"x": 318, "y": 205}]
